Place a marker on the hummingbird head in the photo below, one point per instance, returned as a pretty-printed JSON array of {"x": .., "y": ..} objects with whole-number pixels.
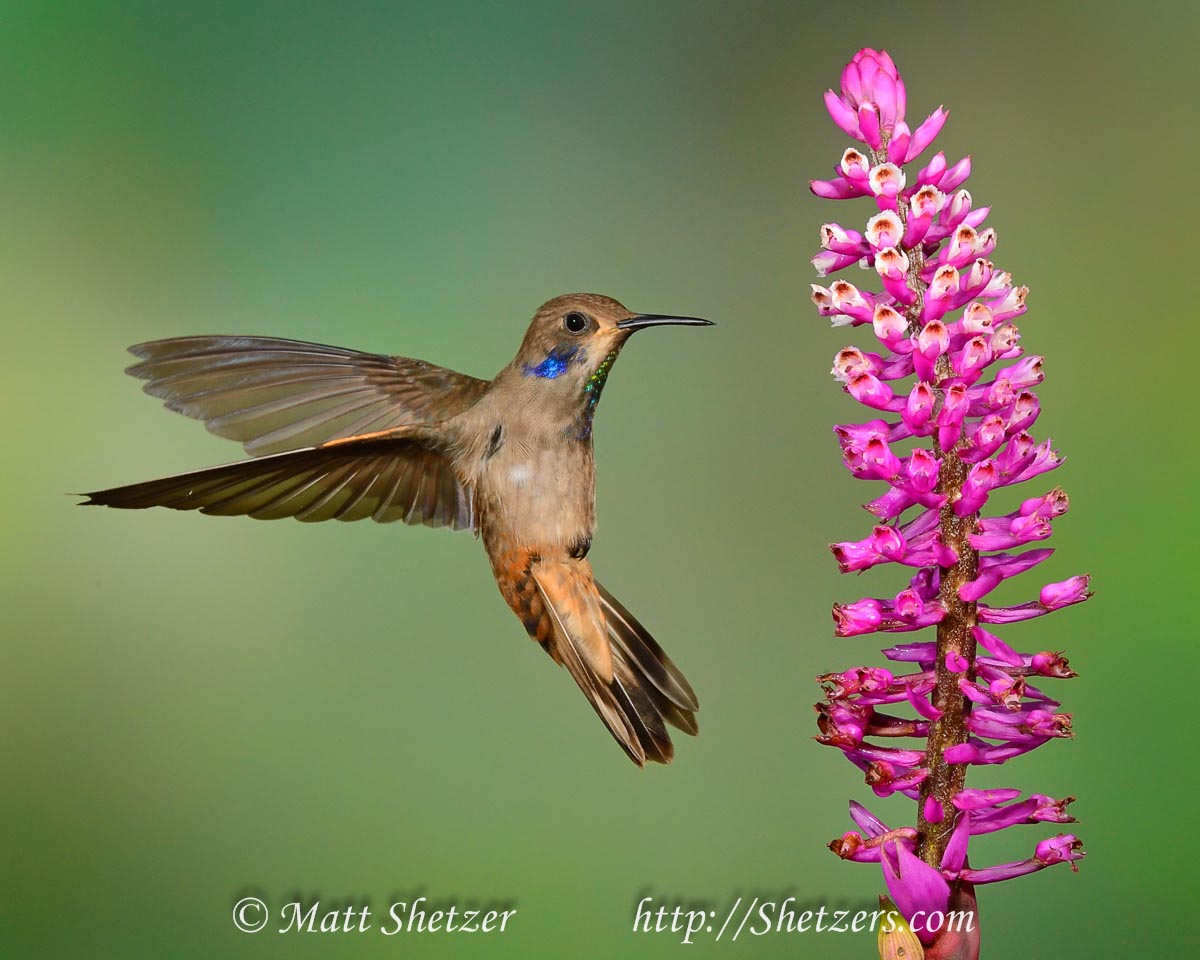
[{"x": 573, "y": 341}]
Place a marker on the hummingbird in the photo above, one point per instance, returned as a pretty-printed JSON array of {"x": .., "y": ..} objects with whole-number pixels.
[{"x": 337, "y": 434}]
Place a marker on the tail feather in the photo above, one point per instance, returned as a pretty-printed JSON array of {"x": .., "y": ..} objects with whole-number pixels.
[
  {"x": 627, "y": 678},
  {"x": 634, "y": 640}
]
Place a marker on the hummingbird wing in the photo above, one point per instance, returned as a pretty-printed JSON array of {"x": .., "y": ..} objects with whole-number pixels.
[
  {"x": 274, "y": 395},
  {"x": 630, "y": 683},
  {"x": 398, "y": 476}
]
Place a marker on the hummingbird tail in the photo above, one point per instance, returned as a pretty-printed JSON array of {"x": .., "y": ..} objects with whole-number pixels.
[{"x": 630, "y": 682}]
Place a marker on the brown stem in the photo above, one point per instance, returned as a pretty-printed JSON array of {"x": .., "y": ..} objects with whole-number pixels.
[{"x": 953, "y": 636}]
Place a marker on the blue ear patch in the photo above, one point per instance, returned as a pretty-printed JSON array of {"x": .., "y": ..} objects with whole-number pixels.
[{"x": 555, "y": 364}]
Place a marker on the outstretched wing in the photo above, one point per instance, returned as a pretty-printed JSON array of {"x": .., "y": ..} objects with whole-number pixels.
[
  {"x": 384, "y": 479},
  {"x": 274, "y": 395}
]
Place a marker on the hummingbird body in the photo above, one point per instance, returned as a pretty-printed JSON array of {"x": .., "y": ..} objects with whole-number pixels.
[{"x": 348, "y": 436}]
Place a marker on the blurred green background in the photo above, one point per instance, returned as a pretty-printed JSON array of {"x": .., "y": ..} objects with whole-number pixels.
[{"x": 200, "y": 708}]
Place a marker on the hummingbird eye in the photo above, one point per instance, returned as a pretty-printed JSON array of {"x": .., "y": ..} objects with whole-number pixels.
[{"x": 575, "y": 322}]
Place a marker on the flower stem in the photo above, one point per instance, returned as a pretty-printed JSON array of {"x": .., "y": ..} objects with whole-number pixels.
[{"x": 953, "y": 637}]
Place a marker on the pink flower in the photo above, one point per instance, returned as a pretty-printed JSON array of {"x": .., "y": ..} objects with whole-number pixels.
[
  {"x": 871, "y": 108},
  {"x": 948, "y": 373}
]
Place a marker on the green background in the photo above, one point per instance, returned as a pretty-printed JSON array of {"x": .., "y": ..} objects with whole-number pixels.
[{"x": 199, "y": 708}]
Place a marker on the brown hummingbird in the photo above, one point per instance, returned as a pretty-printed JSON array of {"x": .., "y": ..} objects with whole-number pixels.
[{"x": 338, "y": 434}]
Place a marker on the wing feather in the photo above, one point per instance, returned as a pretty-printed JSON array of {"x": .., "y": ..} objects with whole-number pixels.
[
  {"x": 274, "y": 395},
  {"x": 400, "y": 478}
]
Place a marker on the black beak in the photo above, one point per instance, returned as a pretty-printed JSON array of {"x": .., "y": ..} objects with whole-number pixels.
[{"x": 659, "y": 320}]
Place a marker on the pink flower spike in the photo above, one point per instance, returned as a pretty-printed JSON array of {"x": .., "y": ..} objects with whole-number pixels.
[
  {"x": 925, "y": 134},
  {"x": 958, "y": 395}
]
